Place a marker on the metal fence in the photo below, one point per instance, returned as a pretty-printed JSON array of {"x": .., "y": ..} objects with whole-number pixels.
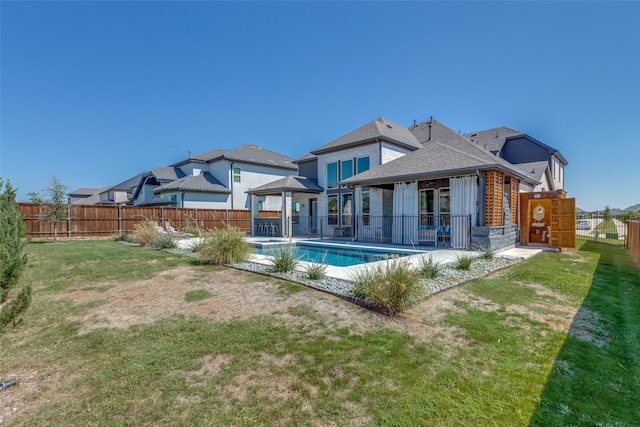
[
  {"x": 420, "y": 230},
  {"x": 598, "y": 228}
]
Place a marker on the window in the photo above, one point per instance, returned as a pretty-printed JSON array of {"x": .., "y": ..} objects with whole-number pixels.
[
  {"x": 260, "y": 205},
  {"x": 346, "y": 169},
  {"x": 295, "y": 212},
  {"x": 171, "y": 197},
  {"x": 332, "y": 209},
  {"x": 366, "y": 209},
  {"x": 332, "y": 175},
  {"x": 236, "y": 174},
  {"x": 347, "y": 209},
  {"x": 362, "y": 164}
]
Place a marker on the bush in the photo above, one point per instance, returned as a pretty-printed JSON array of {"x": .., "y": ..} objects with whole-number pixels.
[
  {"x": 146, "y": 232},
  {"x": 316, "y": 271},
  {"x": 486, "y": 252},
  {"x": 463, "y": 262},
  {"x": 164, "y": 242},
  {"x": 392, "y": 286},
  {"x": 13, "y": 309},
  {"x": 192, "y": 231},
  {"x": 225, "y": 246},
  {"x": 284, "y": 259},
  {"x": 429, "y": 267},
  {"x": 124, "y": 238},
  {"x": 194, "y": 245},
  {"x": 12, "y": 230}
]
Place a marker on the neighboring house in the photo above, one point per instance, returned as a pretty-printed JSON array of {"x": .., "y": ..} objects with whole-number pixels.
[
  {"x": 216, "y": 179},
  {"x": 85, "y": 196},
  {"x": 425, "y": 184},
  {"x": 121, "y": 193}
]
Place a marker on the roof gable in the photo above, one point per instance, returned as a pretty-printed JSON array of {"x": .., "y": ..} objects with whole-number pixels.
[
  {"x": 380, "y": 128},
  {"x": 297, "y": 184},
  {"x": 247, "y": 153},
  {"x": 492, "y": 139}
]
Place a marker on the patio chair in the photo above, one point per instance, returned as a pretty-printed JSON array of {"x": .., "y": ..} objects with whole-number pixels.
[
  {"x": 160, "y": 230},
  {"x": 175, "y": 232},
  {"x": 444, "y": 234}
]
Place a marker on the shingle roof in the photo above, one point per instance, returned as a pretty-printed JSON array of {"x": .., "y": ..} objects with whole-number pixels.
[
  {"x": 205, "y": 182},
  {"x": 434, "y": 130},
  {"x": 248, "y": 153},
  {"x": 296, "y": 184},
  {"x": 93, "y": 199},
  {"x": 307, "y": 157},
  {"x": 128, "y": 184},
  {"x": 380, "y": 128},
  {"x": 492, "y": 139},
  {"x": 84, "y": 192},
  {"x": 167, "y": 173},
  {"x": 535, "y": 170},
  {"x": 436, "y": 159}
]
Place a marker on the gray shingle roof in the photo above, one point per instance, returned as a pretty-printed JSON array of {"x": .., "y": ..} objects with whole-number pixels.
[
  {"x": 205, "y": 182},
  {"x": 492, "y": 139},
  {"x": 535, "y": 170},
  {"x": 307, "y": 157},
  {"x": 434, "y": 130},
  {"x": 84, "y": 192},
  {"x": 128, "y": 184},
  {"x": 167, "y": 173},
  {"x": 296, "y": 184},
  {"x": 379, "y": 128},
  {"x": 435, "y": 159},
  {"x": 248, "y": 153}
]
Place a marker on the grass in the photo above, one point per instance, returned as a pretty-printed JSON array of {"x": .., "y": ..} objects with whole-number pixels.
[
  {"x": 197, "y": 295},
  {"x": 494, "y": 359},
  {"x": 284, "y": 259},
  {"x": 225, "y": 246},
  {"x": 464, "y": 262}
]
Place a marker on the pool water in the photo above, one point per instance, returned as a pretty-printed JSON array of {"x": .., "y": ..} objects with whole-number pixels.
[{"x": 336, "y": 256}]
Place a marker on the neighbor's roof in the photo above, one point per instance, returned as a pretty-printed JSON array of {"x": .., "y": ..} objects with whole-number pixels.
[
  {"x": 436, "y": 159},
  {"x": 93, "y": 199},
  {"x": 128, "y": 184},
  {"x": 433, "y": 130},
  {"x": 205, "y": 182},
  {"x": 306, "y": 158},
  {"x": 380, "y": 128},
  {"x": 248, "y": 153},
  {"x": 167, "y": 173},
  {"x": 84, "y": 192},
  {"x": 295, "y": 184}
]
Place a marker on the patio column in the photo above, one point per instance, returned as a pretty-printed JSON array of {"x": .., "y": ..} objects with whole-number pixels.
[
  {"x": 253, "y": 207},
  {"x": 285, "y": 226}
]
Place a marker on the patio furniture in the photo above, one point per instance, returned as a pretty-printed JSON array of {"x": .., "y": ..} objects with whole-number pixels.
[
  {"x": 427, "y": 234},
  {"x": 444, "y": 234}
]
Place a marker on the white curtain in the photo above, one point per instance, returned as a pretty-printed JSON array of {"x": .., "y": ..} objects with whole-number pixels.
[
  {"x": 464, "y": 196},
  {"x": 411, "y": 213},
  {"x": 405, "y": 213},
  {"x": 398, "y": 203}
]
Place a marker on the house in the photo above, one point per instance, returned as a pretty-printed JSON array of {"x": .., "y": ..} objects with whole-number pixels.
[
  {"x": 421, "y": 185},
  {"x": 121, "y": 193},
  {"x": 85, "y": 196},
  {"x": 216, "y": 179}
]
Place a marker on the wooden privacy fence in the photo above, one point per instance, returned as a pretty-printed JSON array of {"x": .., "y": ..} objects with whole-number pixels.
[
  {"x": 633, "y": 239},
  {"x": 105, "y": 221}
]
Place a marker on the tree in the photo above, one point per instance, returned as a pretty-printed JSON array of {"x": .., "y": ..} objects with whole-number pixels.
[
  {"x": 53, "y": 200},
  {"x": 12, "y": 230},
  {"x": 12, "y": 256},
  {"x": 606, "y": 215}
]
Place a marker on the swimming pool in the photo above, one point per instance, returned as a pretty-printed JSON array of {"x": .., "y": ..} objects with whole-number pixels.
[{"x": 339, "y": 256}]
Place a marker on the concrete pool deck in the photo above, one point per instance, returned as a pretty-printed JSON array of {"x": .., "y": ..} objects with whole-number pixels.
[{"x": 443, "y": 256}]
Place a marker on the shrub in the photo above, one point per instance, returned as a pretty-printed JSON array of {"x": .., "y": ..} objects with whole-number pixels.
[
  {"x": 12, "y": 230},
  {"x": 192, "y": 231},
  {"x": 194, "y": 245},
  {"x": 392, "y": 286},
  {"x": 463, "y": 262},
  {"x": 124, "y": 238},
  {"x": 12, "y": 309},
  {"x": 225, "y": 246},
  {"x": 429, "y": 267},
  {"x": 316, "y": 271},
  {"x": 284, "y": 259},
  {"x": 164, "y": 242},
  {"x": 486, "y": 252},
  {"x": 146, "y": 232}
]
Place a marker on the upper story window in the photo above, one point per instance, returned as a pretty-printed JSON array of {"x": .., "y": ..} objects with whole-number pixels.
[
  {"x": 260, "y": 205},
  {"x": 236, "y": 174},
  {"x": 332, "y": 175},
  {"x": 362, "y": 164},
  {"x": 346, "y": 169}
]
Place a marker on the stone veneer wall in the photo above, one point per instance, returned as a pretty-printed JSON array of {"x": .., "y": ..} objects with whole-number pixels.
[{"x": 496, "y": 237}]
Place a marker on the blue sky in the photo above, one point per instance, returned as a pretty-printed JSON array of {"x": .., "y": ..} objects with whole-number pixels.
[{"x": 96, "y": 92}]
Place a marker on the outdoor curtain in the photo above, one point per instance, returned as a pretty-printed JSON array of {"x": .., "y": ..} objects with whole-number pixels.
[
  {"x": 405, "y": 213},
  {"x": 464, "y": 193},
  {"x": 357, "y": 204}
]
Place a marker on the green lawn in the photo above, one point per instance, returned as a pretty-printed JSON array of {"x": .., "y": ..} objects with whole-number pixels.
[{"x": 496, "y": 351}]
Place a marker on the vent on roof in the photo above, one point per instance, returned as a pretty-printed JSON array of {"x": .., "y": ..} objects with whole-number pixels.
[{"x": 389, "y": 127}]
